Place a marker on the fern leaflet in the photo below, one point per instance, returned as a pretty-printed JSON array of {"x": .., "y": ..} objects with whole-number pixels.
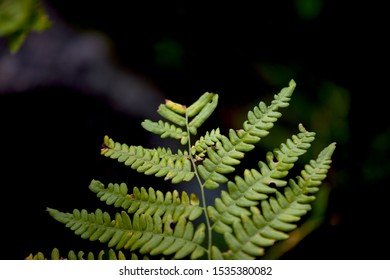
[
  {"x": 147, "y": 234},
  {"x": 165, "y": 130},
  {"x": 150, "y": 202},
  {"x": 161, "y": 161},
  {"x": 178, "y": 114},
  {"x": 110, "y": 254}
]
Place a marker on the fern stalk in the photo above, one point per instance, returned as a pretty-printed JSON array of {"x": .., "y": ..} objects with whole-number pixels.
[{"x": 203, "y": 196}]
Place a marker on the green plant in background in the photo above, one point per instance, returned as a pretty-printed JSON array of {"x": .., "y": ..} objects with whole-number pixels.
[
  {"x": 18, "y": 18},
  {"x": 251, "y": 211}
]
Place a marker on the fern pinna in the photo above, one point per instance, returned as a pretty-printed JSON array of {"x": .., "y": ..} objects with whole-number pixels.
[{"x": 255, "y": 210}]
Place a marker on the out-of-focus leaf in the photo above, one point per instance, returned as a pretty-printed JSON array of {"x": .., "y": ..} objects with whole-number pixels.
[{"x": 18, "y": 18}]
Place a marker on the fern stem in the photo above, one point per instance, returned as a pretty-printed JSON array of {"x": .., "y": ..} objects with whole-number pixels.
[{"x": 204, "y": 204}]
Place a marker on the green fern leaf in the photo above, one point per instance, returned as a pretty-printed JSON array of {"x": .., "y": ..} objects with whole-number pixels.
[
  {"x": 257, "y": 185},
  {"x": 203, "y": 114},
  {"x": 150, "y": 202},
  {"x": 161, "y": 162},
  {"x": 178, "y": 114},
  {"x": 110, "y": 254},
  {"x": 216, "y": 253},
  {"x": 143, "y": 233},
  {"x": 206, "y": 142},
  {"x": 37, "y": 256},
  {"x": 165, "y": 130},
  {"x": 232, "y": 149},
  {"x": 171, "y": 115},
  {"x": 279, "y": 213},
  {"x": 199, "y": 104},
  {"x": 219, "y": 160}
]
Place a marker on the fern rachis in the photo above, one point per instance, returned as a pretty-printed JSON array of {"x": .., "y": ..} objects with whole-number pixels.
[{"x": 257, "y": 209}]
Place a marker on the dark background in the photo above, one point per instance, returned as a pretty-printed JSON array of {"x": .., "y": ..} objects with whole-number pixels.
[{"x": 104, "y": 67}]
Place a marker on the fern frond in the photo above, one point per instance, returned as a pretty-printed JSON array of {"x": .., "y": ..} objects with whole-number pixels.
[
  {"x": 171, "y": 115},
  {"x": 161, "y": 161},
  {"x": 144, "y": 233},
  {"x": 110, "y": 254},
  {"x": 232, "y": 149},
  {"x": 206, "y": 142},
  {"x": 150, "y": 202},
  {"x": 178, "y": 115},
  {"x": 204, "y": 113},
  {"x": 279, "y": 214},
  {"x": 258, "y": 208},
  {"x": 199, "y": 104},
  {"x": 261, "y": 119},
  {"x": 165, "y": 130},
  {"x": 219, "y": 161},
  {"x": 255, "y": 185}
]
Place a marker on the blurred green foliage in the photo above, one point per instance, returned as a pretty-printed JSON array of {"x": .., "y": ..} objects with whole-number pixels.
[
  {"x": 18, "y": 18},
  {"x": 168, "y": 53},
  {"x": 376, "y": 166},
  {"x": 308, "y": 9}
]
